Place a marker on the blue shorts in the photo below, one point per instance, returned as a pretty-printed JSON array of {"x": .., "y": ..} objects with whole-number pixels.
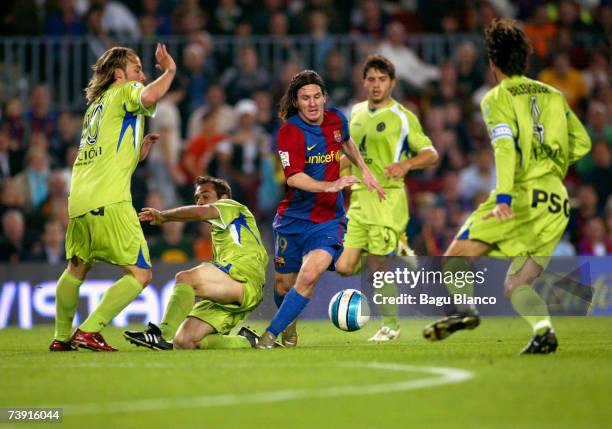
[{"x": 297, "y": 237}]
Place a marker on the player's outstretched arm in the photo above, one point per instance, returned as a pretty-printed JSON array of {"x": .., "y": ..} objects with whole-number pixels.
[
  {"x": 147, "y": 142},
  {"x": 154, "y": 91},
  {"x": 179, "y": 214},
  {"x": 306, "y": 183},
  {"x": 425, "y": 158},
  {"x": 352, "y": 153}
]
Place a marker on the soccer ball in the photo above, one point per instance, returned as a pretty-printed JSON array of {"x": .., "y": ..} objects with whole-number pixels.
[{"x": 349, "y": 310}]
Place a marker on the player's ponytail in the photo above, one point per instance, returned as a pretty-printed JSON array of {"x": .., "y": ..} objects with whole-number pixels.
[
  {"x": 288, "y": 103},
  {"x": 104, "y": 71}
]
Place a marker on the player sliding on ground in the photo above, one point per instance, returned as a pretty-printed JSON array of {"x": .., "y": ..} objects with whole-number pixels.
[
  {"x": 392, "y": 143},
  {"x": 230, "y": 287},
  {"x": 536, "y": 137},
  {"x": 103, "y": 225},
  {"x": 310, "y": 221}
]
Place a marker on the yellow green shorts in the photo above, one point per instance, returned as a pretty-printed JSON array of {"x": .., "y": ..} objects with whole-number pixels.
[
  {"x": 223, "y": 317},
  {"x": 110, "y": 234},
  {"x": 376, "y": 226},
  {"x": 541, "y": 213}
]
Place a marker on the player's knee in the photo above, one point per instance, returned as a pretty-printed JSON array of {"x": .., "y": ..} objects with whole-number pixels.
[
  {"x": 308, "y": 276},
  {"x": 183, "y": 277},
  {"x": 144, "y": 277},
  {"x": 511, "y": 283},
  {"x": 344, "y": 268},
  {"x": 183, "y": 342},
  {"x": 282, "y": 287}
]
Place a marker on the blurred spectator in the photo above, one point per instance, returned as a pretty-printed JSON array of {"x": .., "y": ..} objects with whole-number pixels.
[
  {"x": 201, "y": 149},
  {"x": 242, "y": 80},
  {"x": 51, "y": 250},
  {"x": 322, "y": 42},
  {"x": 469, "y": 72},
  {"x": 197, "y": 76},
  {"x": 240, "y": 155},
  {"x": 369, "y": 19},
  {"x": 98, "y": 39},
  {"x": 215, "y": 101},
  {"x": 68, "y": 134},
  {"x": 336, "y": 75},
  {"x": 163, "y": 159},
  {"x": 225, "y": 17},
  {"x": 14, "y": 120},
  {"x": 541, "y": 31},
  {"x": 33, "y": 179},
  {"x": 283, "y": 48},
  {"x": 21, "y": 18},
  {"x": 489, "y": 83},
  {"x": 157, "y": 23},
  {"x": 457, "y": 208},
  {"x": 188, "y": 17},
  {"x": 564, "y": 247},
  {"x": 64, "y": 21},
  {"x": 41, "y": 117},
  {"x": 600, "y": 177},
  {"x": 118, "y": 21},
  {"x": 594, "y": 240},
  {"x": 57, "y": 195},
  {"x": 266, "y": 115},
  {"x": 172, "y": 247},
  {"x": 202, "y": 245},
  {"x": 280, "y": 85},
  {"x": 569, "y": 16},
  {"x": 599, "y": 122},
  {"x": 260, "y": 19},
  {"x": 478, "y": 176},
  {"x": 584, "y": 208},
  {"x": 565, "y": 78},
  {"x": 444, "y": 140},
  {"x": 154, "y": 199},
  {"x": 11, "y": 197},
  {"x": 14, "y": 246},
  {"x": 597, "y": 75},
  {"x": 447, "y": 89},
  {"x": 410, "y": 70},
  {"x": 434, "y": 236},
  {"x": 11, "y": 161}
]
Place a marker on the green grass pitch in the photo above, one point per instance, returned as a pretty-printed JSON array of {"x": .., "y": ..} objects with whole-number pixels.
[{"x": 332, "y": 380}]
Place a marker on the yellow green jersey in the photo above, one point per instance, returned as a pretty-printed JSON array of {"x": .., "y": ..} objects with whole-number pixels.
[
  {"x": 384, "y": 136},
  {"x": 109, "y": 151},
  {"x": 236, "y": 242},
  {"x": 533, "y": 131}
]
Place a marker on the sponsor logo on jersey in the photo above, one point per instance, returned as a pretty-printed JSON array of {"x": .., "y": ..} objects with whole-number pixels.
[
  {"x": 284, "y": 158},
  {"x": 338, "y": 136},
  {"x": 380, "y": 127},
  {"x": 325, "y": 158}
]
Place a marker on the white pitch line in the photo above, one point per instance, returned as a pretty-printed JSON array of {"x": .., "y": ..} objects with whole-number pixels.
[{"x": 443, "y": 375}]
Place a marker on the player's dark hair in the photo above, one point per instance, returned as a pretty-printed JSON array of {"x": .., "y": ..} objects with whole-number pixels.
[
  {"x": 221, "y": 186},
  {"x": 288, "y": 103},
  {"x": 104, "y": 70},
  {"x": 508, "y": 46},
  {"x": 380, "y": 63}
]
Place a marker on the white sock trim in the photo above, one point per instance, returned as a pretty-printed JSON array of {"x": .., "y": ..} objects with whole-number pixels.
[{"x": 541, "y": 325}]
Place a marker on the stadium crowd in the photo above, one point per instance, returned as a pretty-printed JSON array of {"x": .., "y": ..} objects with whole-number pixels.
[{"x": 220, "y": 117}]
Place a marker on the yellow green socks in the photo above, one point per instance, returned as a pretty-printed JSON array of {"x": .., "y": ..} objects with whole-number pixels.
[
  {"x": 455, "y": 269},
  {"x": 66, "y": 303},
  {"x": 389, "y": 311},
  {"x": 120, "y": 294},
  {"x": 181, "y": 302},
  {"x": 218, "y": 341},
  {"x": 531, "y": 307}
]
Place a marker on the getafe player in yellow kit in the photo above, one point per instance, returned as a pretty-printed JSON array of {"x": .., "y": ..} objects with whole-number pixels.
[
  {"x": 103, "y": 224},
  {"x": 536, "y": 137},
  {"x": 392, "y": 143},
  {"x": 230, "y": 286}
]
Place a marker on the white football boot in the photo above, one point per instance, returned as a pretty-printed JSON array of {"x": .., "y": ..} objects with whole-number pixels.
[{"x": 385, "y": 334}]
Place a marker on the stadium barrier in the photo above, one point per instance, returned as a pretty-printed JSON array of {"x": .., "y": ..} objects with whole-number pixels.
[{"x": 571, "y": 286}]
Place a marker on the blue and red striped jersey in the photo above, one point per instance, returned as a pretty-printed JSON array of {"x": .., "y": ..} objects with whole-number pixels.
[{"x": 314, "y": 150}]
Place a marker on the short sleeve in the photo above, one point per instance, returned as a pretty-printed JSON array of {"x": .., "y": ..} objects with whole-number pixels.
[
  {"x": 228, "y": 211},
  {"x": 132, "y": 93},
  {"x": 291, "y": 149},
  {"x": 417, "y": 139}
]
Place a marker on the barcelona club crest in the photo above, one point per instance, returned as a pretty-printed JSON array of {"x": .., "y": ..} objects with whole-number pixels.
[{"x": 338, "y": 136}]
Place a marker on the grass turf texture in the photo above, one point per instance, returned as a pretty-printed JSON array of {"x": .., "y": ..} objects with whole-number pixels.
[{"x": 569, "y": 389}]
